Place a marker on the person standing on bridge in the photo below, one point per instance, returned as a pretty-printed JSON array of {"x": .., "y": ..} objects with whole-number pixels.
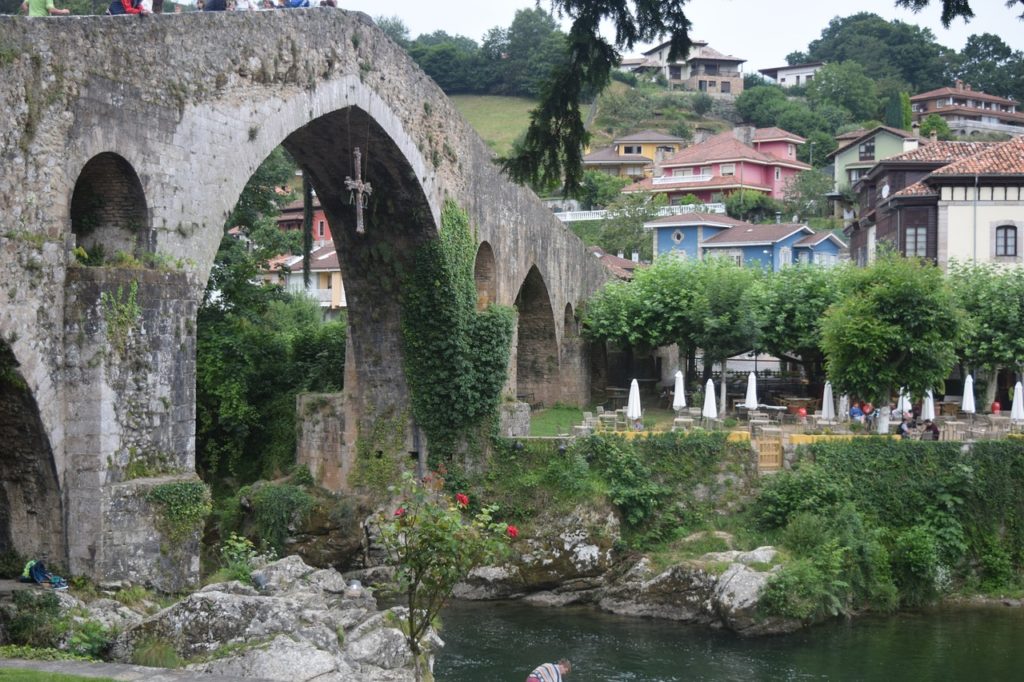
[
  {"x": 42, "y": 8},
  {"x": 126, "y": 7}
]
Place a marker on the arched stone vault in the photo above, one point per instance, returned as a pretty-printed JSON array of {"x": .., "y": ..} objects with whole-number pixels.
[{"x": 191, "y": 105}]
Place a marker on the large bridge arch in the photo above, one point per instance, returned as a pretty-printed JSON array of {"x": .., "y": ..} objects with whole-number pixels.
[{"x": 193, "y": 104}]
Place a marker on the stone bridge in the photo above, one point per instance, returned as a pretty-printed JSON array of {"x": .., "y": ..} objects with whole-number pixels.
[{"x": 138, "y": 134}]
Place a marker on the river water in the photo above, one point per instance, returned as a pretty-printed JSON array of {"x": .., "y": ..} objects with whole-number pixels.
[{"x": 503, "y": 641}]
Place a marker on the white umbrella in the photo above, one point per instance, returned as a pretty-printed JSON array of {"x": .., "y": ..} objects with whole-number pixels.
[
  {"x": 678, "y": 394},
  {"x": 844, "y": 407},
  {"x": 828, "y": 405},
  {"x": 1017, "y": 410},
  {"x": 633, "y": 405},
  {"x": 903, "y": 404},
  {"x": 751, "y": 399},
  {"x": 928, "y": 408},
  {"x": 968, "y": 402},
  {"x": 709, "y": 411}
]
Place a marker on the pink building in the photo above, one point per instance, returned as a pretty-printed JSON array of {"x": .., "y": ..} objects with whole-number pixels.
[{"x": 763, "y": 160}]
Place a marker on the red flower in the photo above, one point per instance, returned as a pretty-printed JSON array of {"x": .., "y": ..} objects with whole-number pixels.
[
  {"x": 400, "y": 511},
  {"x": 512, "y": 531},
  {"x": 462, "y": 500}
]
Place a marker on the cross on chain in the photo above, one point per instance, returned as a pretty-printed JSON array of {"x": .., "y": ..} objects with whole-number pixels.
[{"x": 361, "y": 189}]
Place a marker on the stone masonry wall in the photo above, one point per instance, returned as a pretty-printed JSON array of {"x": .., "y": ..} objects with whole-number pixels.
[
  {"x": 130, "y": 389},
  {"x": 321, "y": 443}
]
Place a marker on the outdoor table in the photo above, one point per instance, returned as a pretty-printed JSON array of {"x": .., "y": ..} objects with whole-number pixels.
[
  {"x": 952, "y": 430},
  {"x": 682, "y": 424}
]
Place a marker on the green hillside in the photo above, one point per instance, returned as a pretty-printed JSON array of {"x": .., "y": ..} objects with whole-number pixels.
[{"x": 498, "y": 120}]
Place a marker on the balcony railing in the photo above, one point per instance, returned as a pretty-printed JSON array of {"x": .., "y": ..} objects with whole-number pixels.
[
  {"x": 323, "y": 296},
  {"x": 573, "y": 216},
  {"x": 673, "y": 179}
]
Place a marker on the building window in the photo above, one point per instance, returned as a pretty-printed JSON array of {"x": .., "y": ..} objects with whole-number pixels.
[
  {"x": 785, "y": 257},
  {"x": 867, "y": 150},
  {"x": 727, "y": 169},
  {"x": 632, "y": 149},
  {"x": 738, "y": 258},
  {"x": 320, "y": 229},
  {"x": 726, "y": 87},
  {"x": 677, "y": 236},
  {"x": 668, "y": 150},
  {"x": 808, "y": 78},
  {"x": 782, "y": 80},
  {"x": 916, "y": 240},
  {"x": 1006, "y": 240},
  {"x": 804, "y": 257},
  {"x": 778, "y": 173},
  {"x": 854, "y": 174},
  {"x": 791, "y": 150}
]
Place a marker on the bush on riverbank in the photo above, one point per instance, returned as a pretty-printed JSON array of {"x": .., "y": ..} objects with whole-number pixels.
[
  {"x": 876, "y": 524},
  {"x": 664, "y": 485}
]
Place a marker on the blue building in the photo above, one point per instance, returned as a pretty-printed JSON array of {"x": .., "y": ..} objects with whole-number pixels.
[{"x": 774, "y": 246}]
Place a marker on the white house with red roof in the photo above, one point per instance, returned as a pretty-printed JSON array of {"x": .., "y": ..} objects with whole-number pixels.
[
  {"x": 764, "y": 160},
  {"x": 704, "y": 69},
  {"x": 325, "y": 285},
  {"x": 968, "y": 111}
]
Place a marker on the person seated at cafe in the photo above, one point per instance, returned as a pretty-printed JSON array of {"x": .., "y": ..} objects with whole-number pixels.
[
  {"x": 857, "y": 414},
  {"x": 869, "y": 412},
  {"x": 906, "y": 427},
  {"x": 931, "y": 430}
]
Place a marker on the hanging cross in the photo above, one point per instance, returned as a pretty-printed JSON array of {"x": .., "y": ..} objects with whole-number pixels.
[{"x": 362, "y": 190}]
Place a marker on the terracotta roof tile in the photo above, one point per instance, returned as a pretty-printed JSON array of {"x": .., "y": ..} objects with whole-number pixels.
[
  {"x": 954, "y": 92},
  {"x": 755, "y": 234},
  {"x": 773, "y": 133},
  {"x": 942, "y": 151},
  {"x": 918, "y": 189},
  {"x": 620, "y": 267},
  {"x": 725, "y": 147},
  {"x": 1006, "y": 158}
]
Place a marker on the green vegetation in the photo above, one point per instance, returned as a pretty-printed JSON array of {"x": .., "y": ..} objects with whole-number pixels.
[
  {"x": 156, "y": 653},
  {"x": 554, "y": 421},
  {"x": 456, "y": 358},
  {"x": 182, "y": 508},
  {"x": 38, "y": 628},
  {"x": 875, "y": 524},
  {"x": 122, "y": 313},
  {"x": 432, "y": 548},
  {"x": 498, "y": 120}
]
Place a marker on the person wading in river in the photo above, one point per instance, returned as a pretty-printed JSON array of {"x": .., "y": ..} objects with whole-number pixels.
[{"x": 550, "y": 672}]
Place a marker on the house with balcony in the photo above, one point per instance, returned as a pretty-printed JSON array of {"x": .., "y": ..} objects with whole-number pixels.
[
  {"x": 970, "y": 208},
  {"x": 325, "y": 285},
  {"x": 969, "y": 112},
  {"x": 793, "y": 74},
  {"x": 907, "y": 219},
  {"x": 763, "y": 160},
  {"x": 291, "y": 217},
  {"x": 772, "y": 246},
  {"x": 633, "y": 156},
  {"x": 704, "y": 69}
]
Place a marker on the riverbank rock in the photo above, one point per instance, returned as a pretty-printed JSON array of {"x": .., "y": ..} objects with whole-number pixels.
[
  {"x": 564, "y": 557},
  {"x": 296, "y": 624}
]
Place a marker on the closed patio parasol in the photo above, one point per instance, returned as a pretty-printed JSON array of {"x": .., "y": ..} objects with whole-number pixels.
[{"x": 678, "y": 393}]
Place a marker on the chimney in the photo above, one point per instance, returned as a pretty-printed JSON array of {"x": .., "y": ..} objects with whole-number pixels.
[
  {"x": 958, "y": 84},
  {"x": 933, "y": 136},
  {"x": 621, "y": 254},
  {"x": 744, "y": 134},
  {"x": 778, "y": 217},
  {"x": 967, "y": 87},
  {"x": 636, "y": 257}
]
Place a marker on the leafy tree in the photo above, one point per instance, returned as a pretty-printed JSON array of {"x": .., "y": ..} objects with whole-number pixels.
[
  {"x": 795, "y": 302},
  {"x": 844, "y": 84},
  {"x": 804, "y": 193},
  {"x": 992, "y": 66},
  {"x": 260, "y": 197},
  {"x": 993, "y": 301},
  {"x": 818, "y": 146},
  {"x": 898, "y": 325},
  {"x": 759, "y": 105},
  {"x": 600, "y": 189},
  {"x": 702, "y": 103},
  {"x": 452, "y": 61},
  {"x": 885, "y": 48},
  {"x": 394, "y": 28},
  {"x": 751, "y": 205},
  {"x": 534, "y": 46},
  {"x": 753, "y": 80},
  {"x": 934, "y": 122},
  {"x": 797, "y": 117},
  {"x": 682, "y": 130},
  {"x": 433, "y": 547},
  {"x": 831, "y": 116},
  {"x": 623, "y": 228}
]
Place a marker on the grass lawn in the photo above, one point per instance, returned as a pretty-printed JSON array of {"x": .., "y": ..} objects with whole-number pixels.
[
  {"x": 552, "y": 421},
  {"x": 20, "y": 675},
  {"x": 498, "y": 120}
]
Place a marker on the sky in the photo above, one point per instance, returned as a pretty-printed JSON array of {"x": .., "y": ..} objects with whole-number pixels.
[{"x": 761, "y": 31}]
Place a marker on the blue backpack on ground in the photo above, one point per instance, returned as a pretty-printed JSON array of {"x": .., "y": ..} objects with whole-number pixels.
[{"x": 35, "y": 572}]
